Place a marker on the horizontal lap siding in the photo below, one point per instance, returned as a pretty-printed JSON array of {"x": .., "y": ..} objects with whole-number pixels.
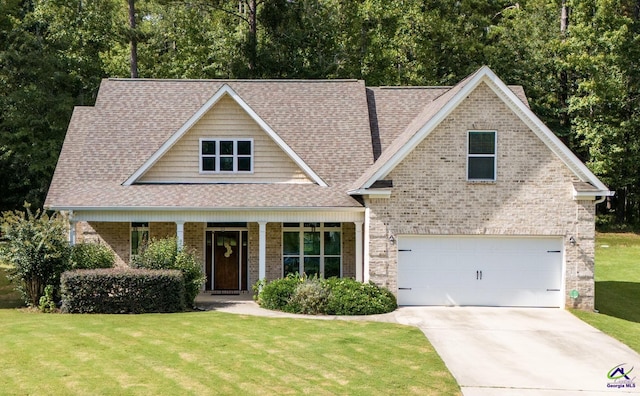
[{"x": 225, "y": 120}]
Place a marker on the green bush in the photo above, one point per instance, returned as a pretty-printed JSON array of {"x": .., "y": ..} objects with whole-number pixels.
[
  {"x": 164, "y": 254},
  {"x": 332, "y": 296},
  {"x": 350, "y": 297},
  {"x": 310, "y": 297},
  {"x": 37, "y": 250},
  {"x": 91, "y": 256},
  {"x": 277, "y": 294},
  {"x": 115, "y": 291}
]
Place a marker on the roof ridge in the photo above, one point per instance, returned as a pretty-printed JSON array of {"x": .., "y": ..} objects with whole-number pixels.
[{"x": 223, "y": 80}]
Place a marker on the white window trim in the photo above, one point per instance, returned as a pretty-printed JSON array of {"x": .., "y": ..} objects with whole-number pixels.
[
  {"x": 494, "y": 156},
  {"x": 301, "y": 230},
  {"x": 217, "y": 156}
]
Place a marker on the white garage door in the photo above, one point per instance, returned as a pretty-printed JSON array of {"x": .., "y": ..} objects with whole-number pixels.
[{"x": 485, "y": 271}]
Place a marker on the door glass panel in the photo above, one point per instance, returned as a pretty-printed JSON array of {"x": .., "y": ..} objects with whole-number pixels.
[
  {"x": 332, "y": 243},
  {"x": 290, "y": 243},
  {"x": 291, "y": 265},
  {"x": 312, "y": 266},
  {"x": 332, "y": 267},
  {"x": 312, "y": 243}
]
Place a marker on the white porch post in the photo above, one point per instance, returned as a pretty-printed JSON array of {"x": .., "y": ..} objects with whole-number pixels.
[
  {"x": 72, "y": 233},
  {"x": 180, "y": 234},
  {"x": 359, "y": 247},
  {"x": 365, "y": 261},
  {"x": 262, "y": 250}
]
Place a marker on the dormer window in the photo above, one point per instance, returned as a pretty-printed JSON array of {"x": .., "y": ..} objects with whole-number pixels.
[{"x": 226, "y": 155}]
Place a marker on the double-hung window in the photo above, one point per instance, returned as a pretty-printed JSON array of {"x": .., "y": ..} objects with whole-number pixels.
[
  {"x": 226, "y": 155},
  {"x": 481, "y": 156},
  {"x": 312, "y": 249}
]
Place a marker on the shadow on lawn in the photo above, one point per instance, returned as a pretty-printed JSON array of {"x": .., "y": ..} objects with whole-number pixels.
[{"x": 619, "y": 299}]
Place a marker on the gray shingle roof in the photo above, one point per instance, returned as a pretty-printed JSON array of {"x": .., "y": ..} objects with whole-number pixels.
[{"x": 334, "y": 126}]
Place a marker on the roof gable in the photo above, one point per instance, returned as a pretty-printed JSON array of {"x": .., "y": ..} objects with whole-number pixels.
[
  {"x": 438, "y": 110},
  {"x": 225, "y": 90}
]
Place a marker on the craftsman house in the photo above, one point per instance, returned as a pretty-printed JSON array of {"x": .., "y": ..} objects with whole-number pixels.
[{"x": 446, "y": 195}]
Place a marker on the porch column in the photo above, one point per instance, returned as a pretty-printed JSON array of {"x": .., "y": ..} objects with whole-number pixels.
[
  {"x": 180, "y": 234},
  {"x": 359, "y": 247},
  {"x": 365, "y": 261},
  {"x": 72, "y": 233},
  {"x": 262, "y": 250}
]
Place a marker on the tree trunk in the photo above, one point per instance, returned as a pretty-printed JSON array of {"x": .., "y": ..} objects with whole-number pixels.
[
  {"x": 133, "y": 39},
  {"x": 252, "y": 39}
]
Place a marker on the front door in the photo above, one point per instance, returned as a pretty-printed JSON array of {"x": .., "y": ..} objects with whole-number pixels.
[{"x": 226, "y": 256}]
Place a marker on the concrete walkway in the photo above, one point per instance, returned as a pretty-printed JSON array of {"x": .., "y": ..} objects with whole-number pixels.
[{"x": 500, "y": 351}]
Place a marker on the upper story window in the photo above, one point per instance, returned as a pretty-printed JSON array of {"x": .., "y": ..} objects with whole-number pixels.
[
  {"x": 226, "y": 155},
  {"x": 481, "y": 156}
]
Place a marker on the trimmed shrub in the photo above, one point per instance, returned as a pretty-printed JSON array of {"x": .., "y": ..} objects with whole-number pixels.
[
  {"x": 276, "y": 294},
  {"x": 332, "y": 296},
  {"x": 37, "y": 250},
  {"x": 91, "y": 256},
  {"x": 310, "y": 297},
  {"x": 164, "y": 254},
  {"x": 350, "y": 297},
  {"x": 117, "y": 291}
]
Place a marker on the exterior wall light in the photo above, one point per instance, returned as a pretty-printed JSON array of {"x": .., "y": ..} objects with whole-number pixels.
[{"x": 572, "y": 241}]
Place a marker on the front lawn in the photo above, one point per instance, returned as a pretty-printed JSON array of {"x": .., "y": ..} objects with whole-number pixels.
[
  {"x": 203, "y": 353},
  {"x": 617, "y": 288}
]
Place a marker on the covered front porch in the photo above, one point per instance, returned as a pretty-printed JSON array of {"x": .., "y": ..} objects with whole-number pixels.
[{"x": 238, "y": 248}]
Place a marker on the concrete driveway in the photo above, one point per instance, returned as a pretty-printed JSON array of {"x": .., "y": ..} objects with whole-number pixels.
[{"x": 517, "y": 351}]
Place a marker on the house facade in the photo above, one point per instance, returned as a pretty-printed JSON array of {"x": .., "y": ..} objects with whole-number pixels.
[{"x": 445, "y": 195}]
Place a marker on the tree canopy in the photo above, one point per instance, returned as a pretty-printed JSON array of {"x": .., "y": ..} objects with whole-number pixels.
[{"x": 582, "y": 77}]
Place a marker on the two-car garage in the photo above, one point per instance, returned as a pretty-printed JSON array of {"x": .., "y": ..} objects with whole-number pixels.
[{"x": 480, "y": 271}]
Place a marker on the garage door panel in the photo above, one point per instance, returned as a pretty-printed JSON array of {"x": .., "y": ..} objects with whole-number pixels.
[{"x": 492, "y": 271}]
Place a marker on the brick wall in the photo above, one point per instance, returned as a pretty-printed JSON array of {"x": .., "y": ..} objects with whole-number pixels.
[
  {"x": 531, "y": 196},
  {"x": 114, "y": 235}
]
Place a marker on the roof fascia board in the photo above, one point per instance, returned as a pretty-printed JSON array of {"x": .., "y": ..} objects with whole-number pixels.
[
  {"x": 224, "y": 90},
  {"x": 426, "y": 129},
  {"x": 201, "y": 209},
  {"x": 374, "y": 193},
  {"x": 542, "y": 131}
]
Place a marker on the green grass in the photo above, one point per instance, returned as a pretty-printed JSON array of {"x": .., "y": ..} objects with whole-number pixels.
[
  {"x": 203, "y": 353},
  {"x": 617, "y": 288}
]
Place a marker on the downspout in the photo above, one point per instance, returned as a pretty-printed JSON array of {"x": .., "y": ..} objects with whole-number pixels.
[{"x": 600, "y": 200}]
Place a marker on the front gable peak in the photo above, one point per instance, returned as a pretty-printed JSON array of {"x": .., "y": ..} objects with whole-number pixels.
[
  {"x": 435, "y": 112},
  {"x": 223, "y": 92}
]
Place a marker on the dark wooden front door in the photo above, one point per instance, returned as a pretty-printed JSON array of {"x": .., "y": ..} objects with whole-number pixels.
[{"x": 226, "y": 252}]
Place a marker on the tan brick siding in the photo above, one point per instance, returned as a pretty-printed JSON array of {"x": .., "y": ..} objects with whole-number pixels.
[
  {"x": 531, "y": 196},
  {"x": 114, "y": 235}
]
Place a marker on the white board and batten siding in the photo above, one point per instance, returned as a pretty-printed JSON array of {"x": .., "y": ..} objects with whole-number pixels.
[
  {"x": 225, "y": 120},
  {"x": 480, "y": 271}
]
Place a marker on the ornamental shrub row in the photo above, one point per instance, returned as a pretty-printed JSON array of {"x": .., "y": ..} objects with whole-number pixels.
[
  {"x": 334, "y": 296},
  {"x": 117, "y": 291}
]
